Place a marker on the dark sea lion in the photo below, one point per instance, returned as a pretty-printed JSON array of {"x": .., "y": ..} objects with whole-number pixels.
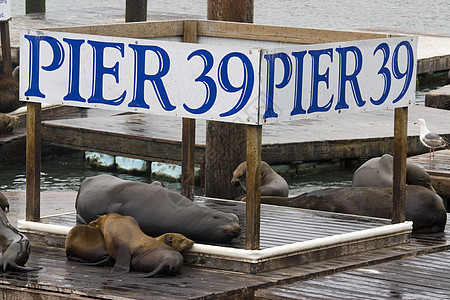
[
  {"x": 86, "y": 244},
  {"x": 8, "y": 123},
  {"x": 4, "y": 204},
  {"x": 131, "y": 248},
  {"x": 157, "y": 210},
  {"x": 272, "y": 184},
  {"x": 377, "y": 172},
  {"x": 9, "y": 94},
  {"x": 422, "y": 206},
  {"x": 15, "y": 247}
]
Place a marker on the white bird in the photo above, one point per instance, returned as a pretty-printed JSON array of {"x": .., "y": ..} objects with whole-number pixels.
[{"x": 429, "y": 139}]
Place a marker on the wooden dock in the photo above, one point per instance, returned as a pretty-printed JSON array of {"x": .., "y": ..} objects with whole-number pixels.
[
  {"x": 62, "y": 279},
  {"x": 156, "y": 138}
]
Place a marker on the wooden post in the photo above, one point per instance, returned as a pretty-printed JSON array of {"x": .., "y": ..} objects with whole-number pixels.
[
  {"x": 34, "y": 6},
  {"x": 253, "y": 184},
  {"x": 6, "y": 48},
  {"x": 188, "y": 134},
  {"x": 399, "y": 164},
  {"x": 33, "y": 164},
  {"x": 225, "y": 142},
  {"x": 136, "y": 10}
]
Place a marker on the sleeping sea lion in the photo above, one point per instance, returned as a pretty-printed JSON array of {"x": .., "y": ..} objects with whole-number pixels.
[
  {"x": 131, "y": 248},
  {"x": 378, "y": 172},
  {"x": 8, "y": 123},
  {"x": 85, "y": 243},
  {"x": 422, "y": 206},
  {"x": 157, "y": 210},
  {"x": 272, "y": 184},
  {"x": 9, "y": 94},
  {"x": 15, "y": 247}
]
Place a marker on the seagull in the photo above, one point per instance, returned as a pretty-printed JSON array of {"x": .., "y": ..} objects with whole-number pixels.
[{"x": 429, "y": 139}]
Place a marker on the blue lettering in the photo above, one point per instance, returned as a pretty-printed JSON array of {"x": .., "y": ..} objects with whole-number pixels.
[
  {"x": 298, "y": 109},
  {"x": 316, "y": 78},
  {"x": 270, "y": 58},
  {"x": 156, "y": 79},
  {"x": 384, "y": 72},
  {"x": 344, "y": 77},
  {"x": 100, "y": 70},
  {"x": 409, "y": 68},
  {"x": 74, "y": 70},
  {"x": 210, "y": 85},
  {"x": 34, "y": 64}
]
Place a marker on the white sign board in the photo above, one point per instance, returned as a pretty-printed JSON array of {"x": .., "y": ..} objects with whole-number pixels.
[
  {"x": 312, "y": 80},
  {"x": 231, "y": 84},
  {"x": 5, "y": 10},
  {"x": 157, "y": 77}
]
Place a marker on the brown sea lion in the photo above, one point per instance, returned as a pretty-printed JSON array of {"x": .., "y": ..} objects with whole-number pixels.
[
  {"x": 422, "y": 206},
  {"x": 272, "y": 184},
  {"x": 131, "y": 248},
  {"x": 157, "y": 210},
  {"x": 15, "y": 247},
  {"x": 4, "y": 204},
  {"x": 85, "y": 243},
  {"x": 8, "y": 122},
  {"x": 377, "y": 172},
  {"x": 9, "y": 94}
]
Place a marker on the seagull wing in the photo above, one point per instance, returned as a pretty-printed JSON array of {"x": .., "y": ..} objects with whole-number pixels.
[{"x": 433, "y": 140}]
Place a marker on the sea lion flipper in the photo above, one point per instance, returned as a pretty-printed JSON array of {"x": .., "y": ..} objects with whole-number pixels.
[{"x": 123, "y": 260}]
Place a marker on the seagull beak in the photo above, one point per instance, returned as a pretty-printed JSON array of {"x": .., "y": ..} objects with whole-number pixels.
[{"x": 416, "y": 122}]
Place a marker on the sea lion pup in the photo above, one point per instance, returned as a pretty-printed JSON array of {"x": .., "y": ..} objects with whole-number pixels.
[
  {"x": 86, "y": 244},
  {"x": 131, "y": 248},
  {"x": 378, "y": 172},
  {"x": 272, "y": 184},
  {"x": 8, "y": 123},
  {"x": 422, "y": 206},
  {"x": 4, "y": 204},
  {"x": 15, "y": 247}
]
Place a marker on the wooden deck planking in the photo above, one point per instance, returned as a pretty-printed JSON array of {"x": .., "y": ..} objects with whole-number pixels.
[
  {"x": 157, "y": 138},
  {"x": 422, "y": 277},
  {"x": 440, "y": 166}
]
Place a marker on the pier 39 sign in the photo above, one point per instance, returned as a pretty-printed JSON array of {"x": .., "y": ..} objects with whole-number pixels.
[{"x": 217, "y": 82}]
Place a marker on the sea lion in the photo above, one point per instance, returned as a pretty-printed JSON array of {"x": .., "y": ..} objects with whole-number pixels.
[
  {"x": 4, "y": 204},
  {"x": 131, "y": 248},
  {"x": 272, "y": 184},
  {"x": 8, "y": 123},
  {"x": 9, "y": 94},
  {"x": 157, "y": 210},
  {"x": 377, "y": 172},
  {"x": 15, "y": 247},
  {"x": 86, "y": 244},
  {"x": 422, "y": 206}
]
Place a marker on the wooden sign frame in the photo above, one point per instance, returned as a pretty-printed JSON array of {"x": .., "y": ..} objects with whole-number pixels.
[{"x": 189, "y": 31}]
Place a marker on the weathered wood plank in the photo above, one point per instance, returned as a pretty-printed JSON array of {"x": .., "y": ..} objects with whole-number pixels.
[{"x": 33, "y": 161}]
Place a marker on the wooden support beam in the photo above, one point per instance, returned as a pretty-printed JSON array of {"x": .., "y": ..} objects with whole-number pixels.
[
  {"x": 33, "y": 162},
  {"x": 6, "y": 48},
  {"x": 188, "y": 133},
  {"x": 253, "y": 184},
  {"x": 399, "y": 164},
  {"x": 135, "y": 10}
]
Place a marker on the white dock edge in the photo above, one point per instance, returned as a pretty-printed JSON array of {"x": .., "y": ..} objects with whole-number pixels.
[{"x": 255, "y": 256}]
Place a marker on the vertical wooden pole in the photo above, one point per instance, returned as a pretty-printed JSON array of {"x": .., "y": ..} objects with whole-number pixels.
[
  {"x": 253, "y": 184},
  {"x": 33, "y": 163},
  {"x": 188, "y": 134},
  {"x": 399, "y": 164},
  {"x": 225, "y": 142},
  {"x": 34, "y": 6},
  {"x": 6, "y": 48},
  {"x": 135, "y": 10}
]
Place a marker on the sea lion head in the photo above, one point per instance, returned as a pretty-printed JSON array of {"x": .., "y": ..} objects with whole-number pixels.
[
  {"x": 8, "y": 122},
  {"x": 239, "y": 174},
  {"x": 177, "y": 241}
]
